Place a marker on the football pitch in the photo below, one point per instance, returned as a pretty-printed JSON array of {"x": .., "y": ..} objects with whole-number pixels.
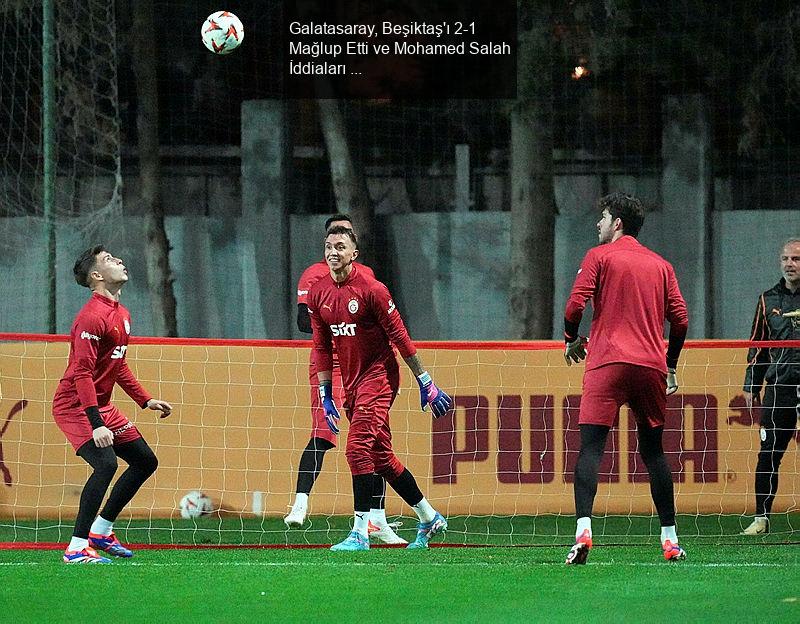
[{"x": 725, "y": 577}]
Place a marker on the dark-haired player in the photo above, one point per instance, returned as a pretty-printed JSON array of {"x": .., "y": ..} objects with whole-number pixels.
[
  {"x": 633, "y": 290},
  {"x": 322, "y": 437},
  {"x": 82, "y": 407},
  {"x": 355, "y": 312}
]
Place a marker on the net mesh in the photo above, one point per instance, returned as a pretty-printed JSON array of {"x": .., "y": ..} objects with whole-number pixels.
[
  {"x": 500, "y": 468},
  {"x": 87, "y": 126}
]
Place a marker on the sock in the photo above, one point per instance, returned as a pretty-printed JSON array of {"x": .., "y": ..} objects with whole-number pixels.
[
  {"x": 77, "y": 543},
  {"x": 378, "y": 517},
  {"x": 584, "y": 524},
  {"x": 361, "y": 522},
  {"x": 101, "y": 526},
  {"x": 425, "y": 512},
  {"x": 406, "y": 486},
  {"x": 300, "y": 501},
  {"x": 668, "y": 533}
]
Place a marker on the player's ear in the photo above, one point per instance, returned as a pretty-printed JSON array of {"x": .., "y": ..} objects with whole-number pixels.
[{"x": 355, "y": 253}]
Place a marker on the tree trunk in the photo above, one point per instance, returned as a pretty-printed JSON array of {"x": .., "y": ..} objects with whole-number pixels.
[
  {"x": 349, "y": 184},
  {"x": 159, "y": 274},
  {"x": 533, "y": 206}
]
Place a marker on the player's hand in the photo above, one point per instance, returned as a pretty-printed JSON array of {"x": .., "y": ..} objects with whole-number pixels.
[
  {"x": 103, "y": 437},
  {"x": 751, "y": 400},
  {"x": 161, "y": 406},
  {"x": 672, "y": 381},
  {"x": 575, "y": 351},
  {"x": 429, "y": 394},
  {"x": 331, "y": 412}
]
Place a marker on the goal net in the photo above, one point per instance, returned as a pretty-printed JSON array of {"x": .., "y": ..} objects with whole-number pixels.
[
  {"x": 500, "y": 467},
  {"x": 86, "y": 131}
]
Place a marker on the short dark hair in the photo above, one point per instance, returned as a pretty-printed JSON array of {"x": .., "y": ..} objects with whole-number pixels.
[
  {"x": 625, "y": 207},
  {"x": 337, "y": 217},
  {"x": 85, "y": 264},
  {"x": 341, "y": 229}
]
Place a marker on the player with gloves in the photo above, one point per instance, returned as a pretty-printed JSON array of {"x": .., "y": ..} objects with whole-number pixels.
[
  {"x": 633, "y": 290},
  {"x": 324, "y": 434},
  {"x": 355, "y": 312}
]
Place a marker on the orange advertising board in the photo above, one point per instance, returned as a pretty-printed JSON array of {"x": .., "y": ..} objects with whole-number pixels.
[{"x": 241, "y": 420}]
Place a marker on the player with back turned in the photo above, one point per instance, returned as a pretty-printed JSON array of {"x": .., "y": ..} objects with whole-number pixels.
[
  {"x": 355, "y": 312},
  {"x": 98, "y": 431},
  {"x": 323, "y": 437},
  {"x": 633, "y": 290}
]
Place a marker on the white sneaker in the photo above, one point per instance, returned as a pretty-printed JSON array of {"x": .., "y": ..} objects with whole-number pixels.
[
  {"x": 296, "y": 518},
  {"x": 385, "y": 533},
  {"x": 759, "y": 526}
]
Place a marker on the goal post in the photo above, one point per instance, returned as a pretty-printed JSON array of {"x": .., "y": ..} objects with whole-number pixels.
[{"x": 507, "y": 452}]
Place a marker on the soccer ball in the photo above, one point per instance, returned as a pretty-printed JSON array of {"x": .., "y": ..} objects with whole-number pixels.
[
  {"x": 222, "y": 32},
  {"x": 195, "y": 504}
]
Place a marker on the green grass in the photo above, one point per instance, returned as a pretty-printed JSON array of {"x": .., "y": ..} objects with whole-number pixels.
[
  {"x": 632, "y": 583},
  {"x": 726, "y": 577}
]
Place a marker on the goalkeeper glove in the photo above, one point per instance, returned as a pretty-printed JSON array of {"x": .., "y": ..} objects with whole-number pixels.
[
  {"x": 672, "y": 381},
  {"x": 575, "y": 351},
  {"x": 331, "y": 413},
  {"x": 429, "y": 394}
]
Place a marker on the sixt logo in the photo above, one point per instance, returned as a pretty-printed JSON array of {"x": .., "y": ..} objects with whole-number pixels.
[
  {"x": 123, "y": 428},
  {"x": 119, "y": 352},
  {"x": 89, "y": 336},
  {"x": 344, "y": 329}
]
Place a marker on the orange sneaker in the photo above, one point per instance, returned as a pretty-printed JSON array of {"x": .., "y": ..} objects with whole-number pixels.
[
  {"x": 87, "y": 555},
  {"x": 673, "y": 552},
  {"x": 579, "y": 553}
]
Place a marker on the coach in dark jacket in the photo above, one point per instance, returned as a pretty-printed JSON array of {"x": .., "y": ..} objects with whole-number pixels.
[{"x": 777, "y": 318}]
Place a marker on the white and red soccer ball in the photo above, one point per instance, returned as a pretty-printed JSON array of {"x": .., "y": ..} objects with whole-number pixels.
[
  {"x": 195, "y": 504},
  {"x": 222, "y": 32}
]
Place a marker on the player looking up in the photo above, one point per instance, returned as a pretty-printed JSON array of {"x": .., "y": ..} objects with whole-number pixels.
[
  {"x": 632, "y": 290},
  {"x": 323, "y": 438},
  {"x": 82, "y": 407},
  {"x": 353, "y": 312}
]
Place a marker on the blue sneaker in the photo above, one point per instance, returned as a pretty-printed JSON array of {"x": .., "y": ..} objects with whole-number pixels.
[
  {"x": 426, "y": 530},
  {"x": 87, "y": 555},
  {"x": 354, "y": 541},
  {"x": 109, "y": 544}
]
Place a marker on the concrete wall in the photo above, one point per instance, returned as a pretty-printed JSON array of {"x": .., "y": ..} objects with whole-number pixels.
[
  {"x": 448, "y": 272},
  {"x": 746, "y": 263}
]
